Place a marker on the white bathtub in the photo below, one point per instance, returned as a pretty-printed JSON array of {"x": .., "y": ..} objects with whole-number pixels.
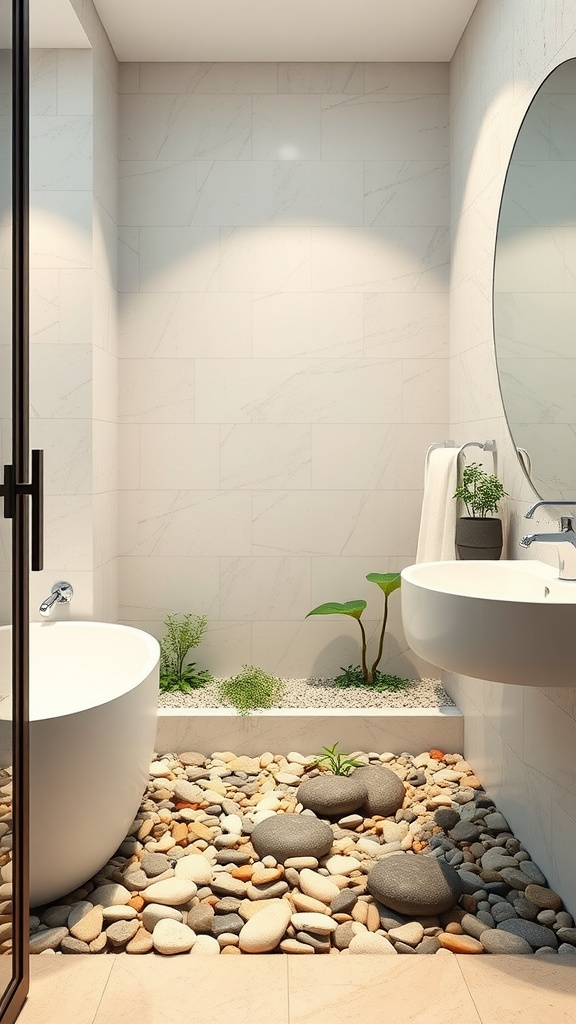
[{"x": 93, "y": 712}]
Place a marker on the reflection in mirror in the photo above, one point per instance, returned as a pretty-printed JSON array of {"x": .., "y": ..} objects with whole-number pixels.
[{"x": 535, "y": 288}]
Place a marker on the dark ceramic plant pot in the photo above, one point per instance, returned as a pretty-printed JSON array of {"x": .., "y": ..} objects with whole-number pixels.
[{"x": 479, "y": 538}]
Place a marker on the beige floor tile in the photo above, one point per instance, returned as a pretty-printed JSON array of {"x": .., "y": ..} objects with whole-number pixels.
[
  {"x": 360, "y": 989},
  {"x": 185, "y": 989},
  {"x": 65, "y": 989},
  {"x": 522, "y": 989}
]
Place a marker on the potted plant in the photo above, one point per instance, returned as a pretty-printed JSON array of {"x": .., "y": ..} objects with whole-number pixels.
[{"x": 479, "y": 535}]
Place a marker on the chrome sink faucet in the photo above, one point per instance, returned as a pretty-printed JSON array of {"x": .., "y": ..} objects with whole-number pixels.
[
  {"x": 61, "y": 593},
  {"x": 566, "y": 537}
]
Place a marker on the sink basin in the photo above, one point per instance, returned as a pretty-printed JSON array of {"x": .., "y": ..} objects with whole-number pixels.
[{"x": 510, "y": 621}]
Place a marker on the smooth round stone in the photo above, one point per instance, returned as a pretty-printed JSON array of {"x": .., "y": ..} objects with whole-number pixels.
[
  {"x": 343, "y": 902},
  {"x": 411, "y": 934},
  {"x": 301, "y": 862},
  {"x": 231, "y": 823},
  {"x": 385, "y": 791},
  {"x": 514, "y": 877},
  {"x": 446, "y": 818},
  {"x": 121, "y": 932},
  {"x": 528, "y": 867},
  {"x": 194, "y": 869},
  {"x": 503, "y": 911},
  {"x": 187, "y": 792},
  {"x": 154, "y": 912},
  {"x": 56, "y": 917},
  {"x": 192, "y": 758},
  {"x": 465, "y": 832},
  {"x": 205, "y": 945},
  {"x": 321, "y": 924},
  {"x": 286, "y": 836},
  {"x": 496, "y": 941},
  {"x": 153, "y": 864},
  {"x": 264, "y": 931},
  {"x": 496, "y": 822},
  {"x": 524, "y": 908},
  {"x": 119, "y": 914},
  {"x": 543, "y": 898},
  {"x": 414, "y": 885},
  {"x": 89, "y": 925},
  {"x": 536, "y": 934},
  {"x": 319, "y": 887},
  {"x": 340, "y": 865},
  {"x": 141, "y": 943},
  {"x": 200, "y": 918},
  {"x": 332, "y": 795},
  {"x": 224, "y": 884},
  {"x": 547, "y": 917},
  {"x": 223, "y": 923},
  {"x": 475, "y": 926},
  {"x": 170, "y": 892},
  {"x": 370, "y": 942},
  {"x": 72, "y": 945},
  {"x": 496, "y": 860},
  {"x": 293, "y": 946},
  {"x": 50, "y": 938},
  {"x": 171, "y": 937},
  {"x": 112, "y": 895},
  {"x": 567, "y": 935},
  {"x": 460, "y": 943}
]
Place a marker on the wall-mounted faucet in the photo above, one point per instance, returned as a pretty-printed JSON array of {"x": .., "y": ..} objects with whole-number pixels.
[
  {"x": 565, "y": 536},
  {"x": 61, "y": 593}
]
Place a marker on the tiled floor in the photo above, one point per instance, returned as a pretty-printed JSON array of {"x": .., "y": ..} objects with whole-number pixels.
[{"x": 442, "y": 989}]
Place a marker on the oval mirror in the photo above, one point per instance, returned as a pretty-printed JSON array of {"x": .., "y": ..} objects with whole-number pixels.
[{"x": 534, "y": 300}]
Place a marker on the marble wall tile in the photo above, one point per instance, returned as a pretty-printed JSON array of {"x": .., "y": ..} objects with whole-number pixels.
[
  {"x": 185, "y": 523},
  {"x": 128, "y": 259},
  {"x": 178, "y": 259},
  {"x": 307, "y": 324},
  {"x": 154, "y": 192},
  {"x": 326, "y": 77},
  {"x": 67, "y": 445},
  {"x": 391, "y": 77},
  {"x": 68, "y": 532},
  {"x": 406, "y": 192},
  {"x": 44, "y": 306},
  {"x": 394, "y": 259},
  {"x": 286, "y": 127},
  {"x": 367, "y": 456},
  {"x": 185, "y": 127},
  {"x": 69, "y": 367},
  {"x": 424, "y": 390},
  {"x": 280, "y": 191},
  {"x": 75, "y": 88},
  {"x": 179, "y": 455},
  {"x": 105, "y": 455},
  {"x": 384, "y": 126},
  {"x": 232, "y": 78},
  {"x": 156, "y": 392},
  {"x": 265, "y": 259},
  {"x": 394, "y": 328},
  {"x": 75, "y": 299},
  {"x": 271, "y": 455},
  {"x": 168, "y": 325},
  {"x": 60, "y": 229},
  {"x": 265, "y": 588},
  {"x": 43, "y": 83},
  {"x": 150, "y": 587},
  {"x": 129, "y": 77},
  {"x": 298, "y": 391}
]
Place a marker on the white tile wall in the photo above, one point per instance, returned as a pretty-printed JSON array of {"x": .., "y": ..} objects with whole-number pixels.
[
  {"x": 283, "y": 338},
  {"x": 521, "y": 741}
]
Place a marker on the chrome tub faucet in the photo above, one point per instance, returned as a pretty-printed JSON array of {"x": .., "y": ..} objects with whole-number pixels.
[
  {"x": 61, "y": 593},
  {"x": 565, "y": 538}
]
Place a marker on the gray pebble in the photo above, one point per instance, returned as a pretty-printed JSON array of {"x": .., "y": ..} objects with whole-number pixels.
[
  {"x": 547, "y": 917},
  {"x": 567, "y": 935},
  {"x": 71, "y": 945},
  {"x": 496, "y": 941},
  {"x": 533, "y": 871},
  {"x": 503, "y": 912},
  {"x": 465, "y": 832},
  {"x": 524, "y": 908},
  {"x": 343, "y": 902},
  {"x": 154, "y": 864},
  {"x": 474, "y": 926},
  {"x": 227, "y": 923},
  {"x": 566, "y": 947},
  {"x": 200, "y": 918},
  {"x": 564, "y": 919},
  {"x": 536, "y": 934},
  {"x": 320, "y": 943},
  {"x": 429, "y": 945}
]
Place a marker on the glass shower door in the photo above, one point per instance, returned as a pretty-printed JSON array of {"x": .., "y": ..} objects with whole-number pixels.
[{"x": 15, "y": 491}]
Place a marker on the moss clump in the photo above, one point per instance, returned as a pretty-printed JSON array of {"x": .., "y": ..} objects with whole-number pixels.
[{"x": 252, "y": 688}]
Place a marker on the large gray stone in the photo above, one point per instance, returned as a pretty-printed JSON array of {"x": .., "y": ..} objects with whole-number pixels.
[
  {"x": 414, "y": 884},
  {"x": 292, "y": 835},
  {"x": 536, "y": 934},
  {"x": 496, "y": 941},
  {"x": 385, "y": 790},
  {"x": 331, "y": 795}
]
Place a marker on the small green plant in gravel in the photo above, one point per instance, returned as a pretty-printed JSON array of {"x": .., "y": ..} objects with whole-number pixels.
[
  {"x": 364, "y": 675},
  {"x": 252, "y": 688},
  {"x": 183, "y": 632},
  {"x": 336, "y": 761},
  {"x": 382, "y": 681}
]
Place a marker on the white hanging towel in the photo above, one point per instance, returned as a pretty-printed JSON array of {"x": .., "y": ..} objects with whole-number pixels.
[{"x": 436, "y": 537}]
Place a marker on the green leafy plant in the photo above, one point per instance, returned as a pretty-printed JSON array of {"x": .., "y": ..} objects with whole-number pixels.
[
  {"x": 481, "y": 492},
  {"x": 353, "y": 676},
  {"x": 252, "y": 688},
  {"x": 388, "y": 583},
  {"x": 183, "y": 632},
  {"x": 336, "y": 761}
]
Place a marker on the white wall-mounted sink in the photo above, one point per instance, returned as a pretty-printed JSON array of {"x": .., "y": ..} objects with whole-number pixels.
[{"x": 510, "y": 621}]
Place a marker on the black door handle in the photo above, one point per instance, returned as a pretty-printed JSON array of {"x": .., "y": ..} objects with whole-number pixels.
[{"x": 10, "y": 488}]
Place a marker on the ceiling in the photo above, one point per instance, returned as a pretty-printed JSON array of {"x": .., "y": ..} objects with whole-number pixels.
[
  {"x": 53, "y": 24},
  {"x": 265, "y": 30}
]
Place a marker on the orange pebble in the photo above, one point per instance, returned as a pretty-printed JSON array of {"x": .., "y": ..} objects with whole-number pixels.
[
  {"x": 137, "y": 902},
  {"x": 436, "y": 754},
  {"x": 244, "y": 872}
]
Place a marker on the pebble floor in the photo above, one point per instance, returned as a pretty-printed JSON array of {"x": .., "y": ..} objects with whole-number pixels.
[{"x": 187, "y": 879}]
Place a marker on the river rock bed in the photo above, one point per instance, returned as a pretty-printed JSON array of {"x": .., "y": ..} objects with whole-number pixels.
[{"x": 407, "y": 855}]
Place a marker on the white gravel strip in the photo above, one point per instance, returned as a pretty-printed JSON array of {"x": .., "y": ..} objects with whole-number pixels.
[{"x": 322, "y": 693}]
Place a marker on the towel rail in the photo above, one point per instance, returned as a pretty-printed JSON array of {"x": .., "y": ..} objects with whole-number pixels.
[{"x": 487, "y": 446}]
